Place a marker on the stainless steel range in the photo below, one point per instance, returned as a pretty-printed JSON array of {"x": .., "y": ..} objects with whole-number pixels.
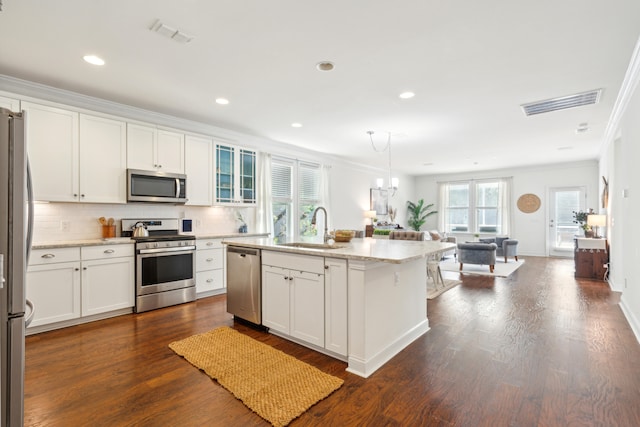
[{"x": 165, "y": 263}]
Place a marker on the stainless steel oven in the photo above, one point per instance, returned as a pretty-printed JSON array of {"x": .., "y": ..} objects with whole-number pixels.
[{"x": 165, "y": 265}]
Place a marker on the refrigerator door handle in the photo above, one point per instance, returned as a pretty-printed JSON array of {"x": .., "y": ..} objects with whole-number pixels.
[
  {"x": 30, "y": 211},
  {"x": 29, "y": 318}
]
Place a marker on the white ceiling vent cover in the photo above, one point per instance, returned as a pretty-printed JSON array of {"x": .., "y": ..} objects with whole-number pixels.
[
  {"x": 171, "y": 33},
  {"x": 570, "y": 101}
]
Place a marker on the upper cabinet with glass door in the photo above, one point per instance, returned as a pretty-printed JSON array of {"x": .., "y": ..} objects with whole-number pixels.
[{"x": 235, "y": 175}]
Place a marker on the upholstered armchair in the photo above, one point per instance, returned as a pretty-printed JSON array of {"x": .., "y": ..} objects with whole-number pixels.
[
  {"x": 477, "y": 253},
  {"x": 506, "y": 247},
  {"x": 406, "y": 235}
]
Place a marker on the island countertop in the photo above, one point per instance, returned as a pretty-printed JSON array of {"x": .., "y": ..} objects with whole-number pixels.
[{"x": 364, "y": 249}]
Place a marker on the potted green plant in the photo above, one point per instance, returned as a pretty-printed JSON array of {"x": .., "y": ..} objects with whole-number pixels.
[
  {"x": 418, "y": 214},
  {"x": 381, "y": 233},
  {"x": 580, "y": 218}
]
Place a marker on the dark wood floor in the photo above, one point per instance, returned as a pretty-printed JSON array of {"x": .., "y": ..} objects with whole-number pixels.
[{"x": 537, "y": 349}]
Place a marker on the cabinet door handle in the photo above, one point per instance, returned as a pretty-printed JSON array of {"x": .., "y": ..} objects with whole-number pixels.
[
  {"x": 286, "y": 278},
  {"x": 209, "y": 259},
  {"x": 76, "y": 269},
  {"x": 82, "y": 195},
  {"x": 209, "y": 243},
  {"x": 84, "y": 268},
  {"x": 326, "y": 267},
  {"x": 290, "y": 278},
  {"x": 109, "y": 251},
  {"x": 48, "y": 256},
  {"x": 209, "y": 280}
]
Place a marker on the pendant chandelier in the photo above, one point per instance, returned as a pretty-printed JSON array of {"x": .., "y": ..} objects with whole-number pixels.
[{"x": 392, "y": 183}]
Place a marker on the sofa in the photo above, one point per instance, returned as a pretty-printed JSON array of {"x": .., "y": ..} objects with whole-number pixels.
[
  {"x": 477, "y": 253},
  {"x": 506, "y": 247},
  {"x": 406, "y": 235}
]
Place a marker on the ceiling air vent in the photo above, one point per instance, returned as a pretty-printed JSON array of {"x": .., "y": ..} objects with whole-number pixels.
[
  {"x": 172, "y": 33},
  {"x": 562, "y": 103}
]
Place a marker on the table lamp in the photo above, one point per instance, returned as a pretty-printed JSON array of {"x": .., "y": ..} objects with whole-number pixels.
[{"x": 597, "y": 221}]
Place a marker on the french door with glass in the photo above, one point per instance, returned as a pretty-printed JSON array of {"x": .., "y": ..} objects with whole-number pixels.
[{"x": 563, "y": 201}]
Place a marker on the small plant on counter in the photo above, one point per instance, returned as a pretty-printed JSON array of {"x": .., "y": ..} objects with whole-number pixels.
[
  {"x": 243, "y": 224},
  {"x": 381, "y": 232}
]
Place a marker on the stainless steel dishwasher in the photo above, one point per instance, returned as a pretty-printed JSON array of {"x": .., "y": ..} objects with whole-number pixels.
[{"x": 244, "y": 289}]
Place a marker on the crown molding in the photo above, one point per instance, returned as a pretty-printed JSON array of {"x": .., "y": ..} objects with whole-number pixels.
[{"x": 629, "y": 84}]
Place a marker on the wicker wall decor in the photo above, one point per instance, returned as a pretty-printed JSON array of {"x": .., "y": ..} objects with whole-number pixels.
[{"x": 529, "y": 203}]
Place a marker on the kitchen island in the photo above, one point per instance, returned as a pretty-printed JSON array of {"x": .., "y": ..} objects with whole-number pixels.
[{"x": 361, "y": 302}]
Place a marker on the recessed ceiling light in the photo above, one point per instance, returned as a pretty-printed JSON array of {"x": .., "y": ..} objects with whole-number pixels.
[
  {"x": 92, "y": 59},
  {"x": 407, "y": 95},
  {"x": 296, "y": 125},
  {"x": 222, "y": 101},
  {"x": 325, "y": 66}
]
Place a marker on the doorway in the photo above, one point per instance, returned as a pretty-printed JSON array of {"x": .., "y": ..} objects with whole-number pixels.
[{"x": 562, "y": 230}]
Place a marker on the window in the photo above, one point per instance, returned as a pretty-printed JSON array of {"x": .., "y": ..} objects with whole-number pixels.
[
  {"x": 475, "y": 206},
  {"x": 295, "y": 187}
]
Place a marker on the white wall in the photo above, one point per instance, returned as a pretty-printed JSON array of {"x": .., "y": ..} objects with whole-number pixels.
[
  {"x": 622, "y": 160},
  {"x": 350, "y": 196},
  {"x": 531, "y": 230}
]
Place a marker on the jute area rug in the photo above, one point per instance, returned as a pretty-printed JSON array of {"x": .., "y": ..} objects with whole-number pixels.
[
  {"x": 276, "y": 386},
  {"x": 501, "y": 268}
]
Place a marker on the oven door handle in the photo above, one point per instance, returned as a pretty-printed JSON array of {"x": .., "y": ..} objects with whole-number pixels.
[{"x": 159, "y": 250}]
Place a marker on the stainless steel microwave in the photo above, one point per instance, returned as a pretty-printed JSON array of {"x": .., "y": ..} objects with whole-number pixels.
[{"x": 156, "y": 187}]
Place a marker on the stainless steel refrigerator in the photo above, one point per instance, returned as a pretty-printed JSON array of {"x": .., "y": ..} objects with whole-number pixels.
[{"x": 16, "y": 219}]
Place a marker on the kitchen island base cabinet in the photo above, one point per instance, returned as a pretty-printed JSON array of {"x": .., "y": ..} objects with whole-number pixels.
[
  {"x": 387, "y": 305},
  {"x": 375, "y": 296},
  {"x": 293, "y": 299}
]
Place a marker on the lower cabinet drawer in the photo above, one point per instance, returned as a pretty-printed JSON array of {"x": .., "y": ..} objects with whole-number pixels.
[{"x": 209, "y": 280}]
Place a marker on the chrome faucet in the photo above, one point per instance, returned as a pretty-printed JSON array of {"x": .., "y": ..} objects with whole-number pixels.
[{"x": 327, "y": 236}]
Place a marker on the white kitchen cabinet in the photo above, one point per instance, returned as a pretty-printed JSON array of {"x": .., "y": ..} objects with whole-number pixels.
[
  {"x": 53, "y": 285},
  {"x": 10, "y": 104},
  {"x": 235, "y": 175},
  {"x": 335, "y": 299},
  {"x": 209, "y": 267},
  {"x": 107, "y": 278},
  {"x": 307, "y": 307},
  {"x": 53, "y": 146},
  {"x": 198, "y": 161},
  {"x": 293, "y": 296},
  {"x": 75, "y": 157},
  {"x": 275, "y": 298},
  {"x": 149, "y": 148},
  {"x": 103, "y": 160},
  {"x": 67, "y": 284}
]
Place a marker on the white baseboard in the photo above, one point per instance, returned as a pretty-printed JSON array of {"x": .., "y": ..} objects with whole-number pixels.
[{"x": 633, "y": 321}]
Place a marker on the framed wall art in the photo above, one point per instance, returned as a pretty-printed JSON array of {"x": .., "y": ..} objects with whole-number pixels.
[{"x": 379, "y": 201}]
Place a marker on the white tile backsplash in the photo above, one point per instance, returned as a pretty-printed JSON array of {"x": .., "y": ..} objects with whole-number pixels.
[{"x": 56, "y": 222}]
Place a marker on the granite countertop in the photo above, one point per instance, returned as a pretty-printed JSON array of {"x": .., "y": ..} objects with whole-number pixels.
[
  {"x": 367, "y": 249},
  {"x": 125, "y": 240}
]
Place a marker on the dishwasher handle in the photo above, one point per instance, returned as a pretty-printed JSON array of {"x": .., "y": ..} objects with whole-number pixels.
[{"x": 243, "y": 251}]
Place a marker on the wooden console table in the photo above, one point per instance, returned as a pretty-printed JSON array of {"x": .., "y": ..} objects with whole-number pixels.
[{"x": 590, "y": 257}]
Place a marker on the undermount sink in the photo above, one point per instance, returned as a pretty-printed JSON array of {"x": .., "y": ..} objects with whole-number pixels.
[{"x": 309, "y": 245}]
